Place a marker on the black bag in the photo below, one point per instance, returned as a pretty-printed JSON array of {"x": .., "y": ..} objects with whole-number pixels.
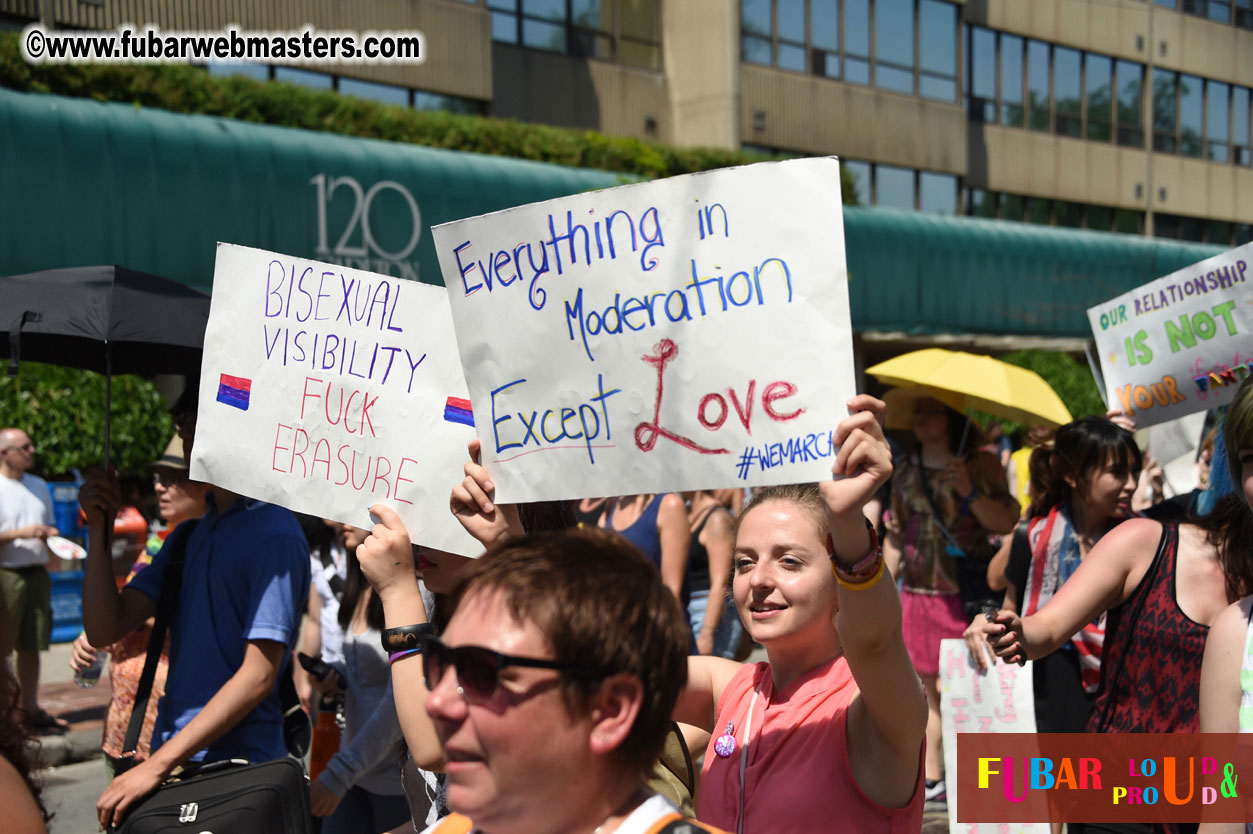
[{"x": 232, "y": 796}]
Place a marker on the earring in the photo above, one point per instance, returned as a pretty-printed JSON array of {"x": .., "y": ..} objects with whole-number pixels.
[{"x": 460, "y": 691}]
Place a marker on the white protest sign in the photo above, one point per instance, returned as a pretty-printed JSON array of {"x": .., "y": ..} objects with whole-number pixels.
[
  {"x": 689, "y": 333},
  {"x": 326, "y": 389},
  {"x": 1181, "y": 343},
  {"x": 998, "y": 701}
]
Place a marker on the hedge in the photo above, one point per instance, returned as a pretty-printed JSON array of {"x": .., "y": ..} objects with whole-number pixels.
[
  {"x": 62, "y": 409},
  {"x": 188, "y": 89}
]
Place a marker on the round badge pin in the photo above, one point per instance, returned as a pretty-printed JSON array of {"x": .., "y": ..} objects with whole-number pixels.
[{"x": 725, "y": 745}]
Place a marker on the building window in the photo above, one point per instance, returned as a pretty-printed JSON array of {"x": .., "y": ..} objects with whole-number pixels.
[
  {"x": 824, "y": 20},
  {"x": 1200, "y": 118},
  {"x": 1067, "y": 92},
  {"x": 1165, "y": 124},
  {"x": 1042, "y": 211},
  {"x": 1217, "y": 110},
  {"x": 937, "y": 50},
  {"x": 904, "y": 188},
  {"x": 1130, "y": 104},
  {"x": 755, "y": 41},
  {"x": 981, "y": 76},
  {"x": 856, "y": 41},
  {"x": 1038, "y": 86},
  {"x": 1021, "y": 82},
  {"x": 861, "y": 179},
  {"x": 1098, "y": 218},
  {"x": 894, "y": 45},
  {"x": 1237, "y": 12},
  {"x": 937, "y": 192},
  {"x": 626, "y": 31},
  {"x": 1098, "y": 98},
  {"x": 1240, "y": 150},
  {"x": 305, "y": 78},
  {"x": 791, "y": 48},
  {"x": 981, "y": 203},
  {"x": 1011, "y": 80},
  {"x": 893, "y": 187},
  {"x": 914, "y": 49},
  {"x": 1191, "y": 110}
]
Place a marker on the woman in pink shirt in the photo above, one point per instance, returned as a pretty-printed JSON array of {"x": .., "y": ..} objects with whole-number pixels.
[{"x": 829, "y": 734}]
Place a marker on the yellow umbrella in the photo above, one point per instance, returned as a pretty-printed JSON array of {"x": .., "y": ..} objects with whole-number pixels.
[{"x": 967, "y": 381}]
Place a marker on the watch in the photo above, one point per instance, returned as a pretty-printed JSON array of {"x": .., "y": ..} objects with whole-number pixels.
[{"x": 405, "y": 637}]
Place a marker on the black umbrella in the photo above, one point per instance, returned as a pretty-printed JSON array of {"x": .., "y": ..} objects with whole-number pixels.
[{"x": 107, "y": 319}]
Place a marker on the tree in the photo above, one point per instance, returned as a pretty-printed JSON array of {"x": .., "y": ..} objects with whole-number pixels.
[{"x": 62, "y": 409}]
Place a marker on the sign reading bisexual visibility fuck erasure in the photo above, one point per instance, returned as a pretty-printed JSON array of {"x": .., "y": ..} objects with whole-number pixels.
[
  {"x": 1180, "y": 344},
  {"x": 326, "y": 390},
  {"x": 688, "y": 333}
]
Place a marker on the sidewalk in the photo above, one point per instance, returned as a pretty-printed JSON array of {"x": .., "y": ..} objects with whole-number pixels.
[{"x": 83, "y": 708}]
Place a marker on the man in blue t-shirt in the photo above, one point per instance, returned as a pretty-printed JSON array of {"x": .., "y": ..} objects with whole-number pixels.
[{"x": 245, "y": 578}]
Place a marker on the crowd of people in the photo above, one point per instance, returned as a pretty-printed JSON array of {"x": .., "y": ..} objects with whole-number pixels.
[{"x": 587, "y": 673}]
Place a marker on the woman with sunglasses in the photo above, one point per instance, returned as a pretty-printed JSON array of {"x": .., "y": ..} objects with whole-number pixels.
[{"x": 551, "y": 687}]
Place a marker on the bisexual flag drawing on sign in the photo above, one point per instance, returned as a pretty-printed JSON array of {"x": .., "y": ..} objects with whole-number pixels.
[
  {"x": 234, "y": 391},
  {"x": 457, "y": 410}
]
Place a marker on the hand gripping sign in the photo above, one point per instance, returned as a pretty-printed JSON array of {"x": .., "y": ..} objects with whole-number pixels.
[
  {"x": 689, "y": 333},
  {"x": 326, "y": 389},
  {"x": 1180, "y": 344}
]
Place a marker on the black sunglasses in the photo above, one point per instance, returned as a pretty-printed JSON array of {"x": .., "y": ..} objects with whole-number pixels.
[{"x": 478, "y": 668}]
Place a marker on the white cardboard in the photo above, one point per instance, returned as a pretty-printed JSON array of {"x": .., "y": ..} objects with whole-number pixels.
[
  {"x": 999, "y": 701},
  {"x": 1179, "y": 344},
  {"x": 392, "y": 363},
  {"x": 730, "y": 283}
]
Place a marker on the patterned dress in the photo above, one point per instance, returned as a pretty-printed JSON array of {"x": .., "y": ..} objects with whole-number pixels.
[{"x": 1151, "y": 668}]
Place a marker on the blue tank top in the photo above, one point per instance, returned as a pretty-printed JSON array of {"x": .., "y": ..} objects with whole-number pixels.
[{"x": 643, "y": 533}]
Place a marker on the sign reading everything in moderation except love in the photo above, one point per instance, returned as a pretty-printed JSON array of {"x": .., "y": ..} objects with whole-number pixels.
[
  {"x": 1180, "y": 344},
  {"x": 689, "y": 333},
  {"x": 326, "y": 389}
]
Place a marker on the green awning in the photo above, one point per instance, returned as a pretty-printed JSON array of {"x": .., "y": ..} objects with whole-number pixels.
[{"x": 88, "y": 182}]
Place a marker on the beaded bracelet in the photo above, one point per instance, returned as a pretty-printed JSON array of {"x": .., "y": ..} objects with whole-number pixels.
[
  {"x": 866, "y": 568},
  {"x": 864, "y": 584},
  {"x": 401, "y": 655}
]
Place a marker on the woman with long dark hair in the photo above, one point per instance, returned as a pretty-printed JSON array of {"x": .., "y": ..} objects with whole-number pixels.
[
  {"x": 1163, "y": 585},
  {"x": 1084, "y": 484},
  {"x": 360, "y": 790}
]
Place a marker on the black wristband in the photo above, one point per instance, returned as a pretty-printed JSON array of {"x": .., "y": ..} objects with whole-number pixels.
[{"x": 405, "y": 637}]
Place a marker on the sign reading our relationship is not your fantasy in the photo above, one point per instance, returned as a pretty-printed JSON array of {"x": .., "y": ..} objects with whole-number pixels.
[
  {"x": 1180, "y": 344},
  {"x": 688, "y": 333},
  {"x": 326, "y": 390}
]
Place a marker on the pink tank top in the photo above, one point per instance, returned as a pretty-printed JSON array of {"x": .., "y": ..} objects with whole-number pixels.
[{"x": 798, "y": 776}]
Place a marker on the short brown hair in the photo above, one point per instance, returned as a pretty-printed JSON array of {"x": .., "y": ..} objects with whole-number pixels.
[{"x": 599, "y": 603}]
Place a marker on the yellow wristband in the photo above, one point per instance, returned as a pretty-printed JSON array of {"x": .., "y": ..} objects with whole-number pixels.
[{"x": 864, "y": 585}]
